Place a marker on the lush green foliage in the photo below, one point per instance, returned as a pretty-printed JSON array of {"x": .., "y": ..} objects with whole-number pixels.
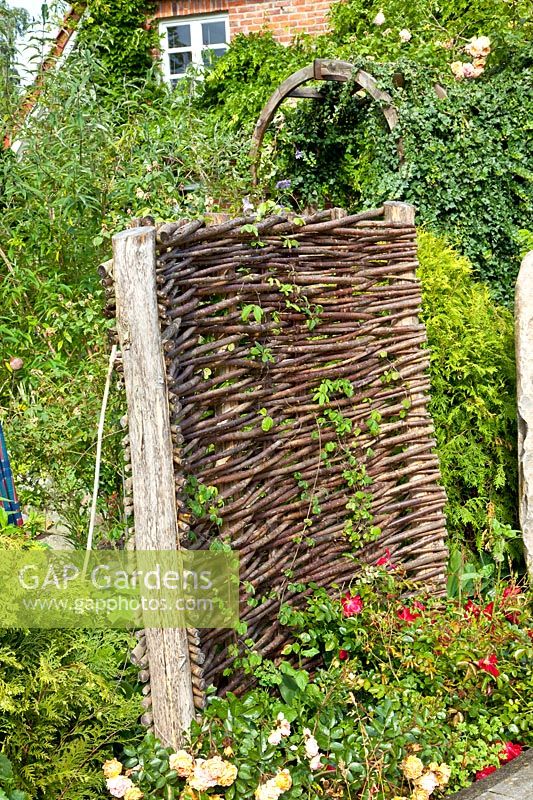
[
  {"x": 472, "y": 394},
  {"x": 91, "y": 162},
  {"x": 65, "y": 696},
  {"x": 120, "y": 37},
  {"x": 395, "y": 677},
  {"x": 257, "y": 62},
  {"x": 465, "y": 160},
  {"x": 438, "y": 29},
  {"x": 12, "y": 23}
]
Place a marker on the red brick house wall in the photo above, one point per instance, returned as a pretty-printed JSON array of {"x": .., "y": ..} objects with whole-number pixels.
[{"x": 285, "y": 18}]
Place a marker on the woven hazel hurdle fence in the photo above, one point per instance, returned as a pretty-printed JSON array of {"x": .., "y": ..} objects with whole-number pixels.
[{"x": 281, "y": 368}]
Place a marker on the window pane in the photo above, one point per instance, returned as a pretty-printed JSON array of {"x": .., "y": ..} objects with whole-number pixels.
[
  {"x": 179, "y": 62},
  {"x": 214, "y": 32},
  {"x": 211, "y": 54},
  {"x": 179, "y": 36}
]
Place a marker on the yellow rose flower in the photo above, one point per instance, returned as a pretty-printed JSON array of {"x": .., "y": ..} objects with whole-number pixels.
[
  {"x": 457, "y": 69},
  {"x": 283, "y": 780},
  {"x": 112, "y": 768},
  {"x": 420, "y": 794},
  {"x": 182, "y": 763},
  {"x": 442, "y": 773},
  {"x": 133, "y": 794},
  {"x": 228, "y": 751},
  {"x": 228, "y": 775},
  {"x": 412, "y": 768},
  {"x": 267, "y": 791}
]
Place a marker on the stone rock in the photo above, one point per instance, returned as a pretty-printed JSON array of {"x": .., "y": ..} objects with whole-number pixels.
[
  {"x": 524, "y": 389},
  {"x": 56, "y": 541}
]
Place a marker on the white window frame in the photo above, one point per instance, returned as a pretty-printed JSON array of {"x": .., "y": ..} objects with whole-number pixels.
[{"x": 196, "y": 47}]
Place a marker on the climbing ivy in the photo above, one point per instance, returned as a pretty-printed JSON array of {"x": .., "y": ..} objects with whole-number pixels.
[
  {"x": 462, "y": 160},
  {"x": 121, "y": 37}
]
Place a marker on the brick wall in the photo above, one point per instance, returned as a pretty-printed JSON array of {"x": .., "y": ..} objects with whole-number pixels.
[{"x": 285, "y": 18}]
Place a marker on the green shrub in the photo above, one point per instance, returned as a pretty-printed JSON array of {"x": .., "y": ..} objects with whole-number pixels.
[
  {"x": 472, "y": 393},
  {"x": 120, "y": 38},
  {"x": 392, "y": 678},
  {"x": 241, "y": 82},
  {"x": 438, "y": 30},
  {"x": 65, "y": 697},
  {"x": 94, "y": 157},
  {"x": 465, "y": 159}
]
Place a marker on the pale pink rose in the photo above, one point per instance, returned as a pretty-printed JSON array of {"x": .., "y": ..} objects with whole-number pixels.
[
  {"x": 428, "y": 782},
  {"x": 275, "y": 737},
  {"x": 405, "y": 35},
  {"x": 469, "y": 70},
  {"x": 284, "y": 726},
  {"x": 457, "y": 67},
  {"x": 314, "y": 764},
  {"x": 118, "y": 786},
  {"x": 182, "y": 762},
  {"x": 379, "y": 19},
  {"x": 311, "y": 747},
  {"x": 478, "y": 46},
  {"x": 201, "y": 779},
  {"x": 16, "y": 363}
]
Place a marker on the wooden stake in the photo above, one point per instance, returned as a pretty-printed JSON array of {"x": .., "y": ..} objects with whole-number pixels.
[
  {"x": 154, "y": 499},
  {"x": 399, "y": 213}
]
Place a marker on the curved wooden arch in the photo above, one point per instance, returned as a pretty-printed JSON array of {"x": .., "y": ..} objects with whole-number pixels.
[{"x": 322, "y": 69}]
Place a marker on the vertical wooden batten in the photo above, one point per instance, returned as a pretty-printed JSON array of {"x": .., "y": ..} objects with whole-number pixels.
[{"x": 154, "y": 502}]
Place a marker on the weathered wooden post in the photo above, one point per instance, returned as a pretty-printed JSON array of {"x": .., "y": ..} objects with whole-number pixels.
[
  {"x": 524, "y": 390},
  {"x": 154, "y": 499}
]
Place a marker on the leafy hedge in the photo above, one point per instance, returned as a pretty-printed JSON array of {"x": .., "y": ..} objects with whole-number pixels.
[
  {"x": 465, "y": 160},
  {"x": 472, "y": 395}
]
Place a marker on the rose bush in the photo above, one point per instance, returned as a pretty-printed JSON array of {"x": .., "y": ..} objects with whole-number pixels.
[{"x": 407, "y": 696}]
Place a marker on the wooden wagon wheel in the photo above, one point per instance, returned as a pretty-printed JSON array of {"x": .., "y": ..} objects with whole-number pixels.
[{"x": 322, "y": 69}]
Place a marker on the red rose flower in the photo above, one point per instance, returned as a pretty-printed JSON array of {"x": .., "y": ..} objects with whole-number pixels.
[
  {"x": 513, "y": 618},
  {"x": 343, "y": 655},
  {"x": 511, "y": 591},
  {"x": 351, "y": 605},
  {"x": 472, "y": 610},
  {"x": 475, "y": 611},
  {"x": 407, "y": 615},
  {"x": 482, "y": 773},
  {"x": 488, "y": 664},
  {"x": 385, "y": 561},
  {"x": 330, "y": 768},
  {"x": 510, "y": 750},
  {"x": 488, "y": 610}
]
